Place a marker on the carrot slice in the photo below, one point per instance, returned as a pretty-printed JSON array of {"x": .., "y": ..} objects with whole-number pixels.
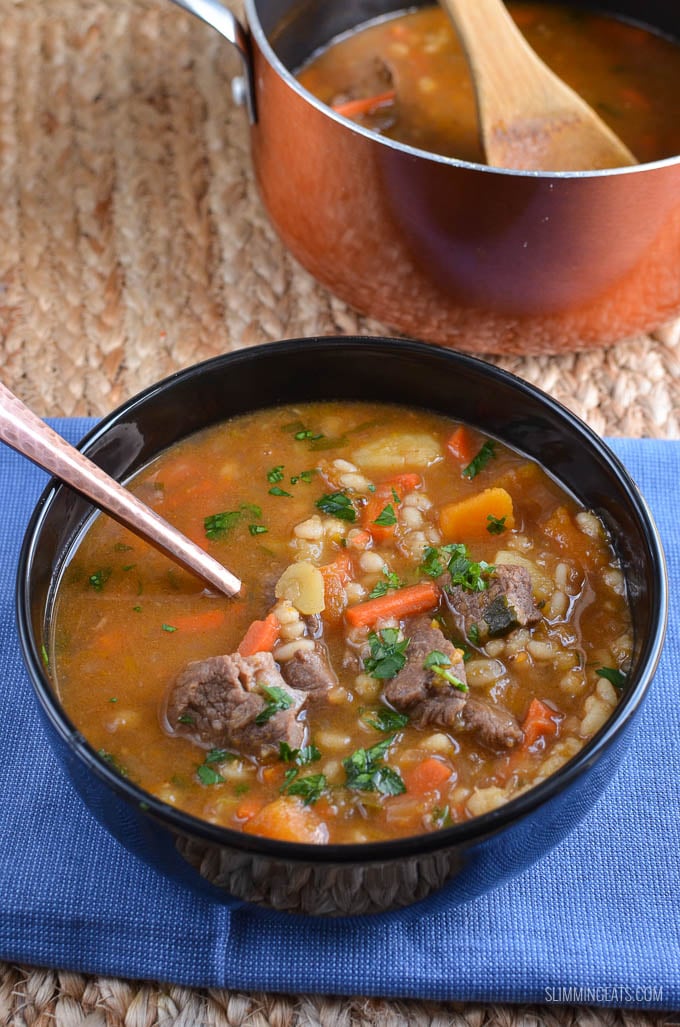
[
  {"x": 390, "y": 492},
  {"x": 335, "y": 576},
  {"x": 402, "y": 602},
  {"x": 426, "y": 776},
  {"x": 260, "y": 637},
  {"x": 462, "y": 445},
  {"x": 470, "y": 518},
  {"x": 205, "y": 620},
  {"x": 539, "y": 720},
  {"x": 287, "y": 819},
  {"x": 365, "y": 105}
]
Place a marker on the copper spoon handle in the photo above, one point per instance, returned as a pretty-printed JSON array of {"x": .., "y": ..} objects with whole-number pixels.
[{"x": 24, "y": 431}]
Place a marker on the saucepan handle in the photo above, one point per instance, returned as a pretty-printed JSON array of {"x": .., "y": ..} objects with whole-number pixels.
[{"x": 219, "y": 17}]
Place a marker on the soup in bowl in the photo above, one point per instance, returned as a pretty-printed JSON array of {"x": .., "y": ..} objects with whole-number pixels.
[{"x": 453, "y": 602}]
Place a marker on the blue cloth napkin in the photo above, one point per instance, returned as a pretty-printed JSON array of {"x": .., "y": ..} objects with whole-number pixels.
[{"x": 597, "y": 922}]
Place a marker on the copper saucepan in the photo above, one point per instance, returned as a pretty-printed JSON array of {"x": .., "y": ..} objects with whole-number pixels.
[{"x": 456, "y": 253}]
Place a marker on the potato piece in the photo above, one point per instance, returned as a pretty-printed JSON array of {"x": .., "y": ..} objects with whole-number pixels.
[
  {"x": 398, "y": 452},
  {"x": 302, "y": 585}
]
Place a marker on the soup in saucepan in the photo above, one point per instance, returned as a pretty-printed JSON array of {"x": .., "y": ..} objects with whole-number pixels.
[
  {"x": 429, "y": 626},
  {"x": 407, "y": 77}
]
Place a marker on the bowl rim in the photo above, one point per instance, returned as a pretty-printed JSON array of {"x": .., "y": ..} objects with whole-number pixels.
[
  {"x": 458, "y": 835},
  {"x": 258, "y": 33}
]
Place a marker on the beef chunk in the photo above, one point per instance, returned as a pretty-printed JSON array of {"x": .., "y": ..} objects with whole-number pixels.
[
  {"x": 310, "y": 672},
  {"x": 371, "y": 79},
  {"x": 507, "y": 603},
  {"x": 216, "y": 702},
  {"x": 495, "y": 727},
  {"x": 420, "y": 692}
]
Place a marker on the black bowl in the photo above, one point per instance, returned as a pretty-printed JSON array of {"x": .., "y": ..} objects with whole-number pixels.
[{"x": 468, "y": 858}]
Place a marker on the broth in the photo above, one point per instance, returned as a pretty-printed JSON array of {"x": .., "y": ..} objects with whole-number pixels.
[{"x": 629, "y": 75}]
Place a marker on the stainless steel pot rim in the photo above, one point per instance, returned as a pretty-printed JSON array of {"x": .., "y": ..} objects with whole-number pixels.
[{"x": 258, "y": 34}]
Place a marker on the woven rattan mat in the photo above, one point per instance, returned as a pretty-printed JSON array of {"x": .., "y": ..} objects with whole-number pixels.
[{"x": 132, "y": 243}]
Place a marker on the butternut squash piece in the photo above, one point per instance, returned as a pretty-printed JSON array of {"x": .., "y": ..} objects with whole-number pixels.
[{"x": 470, "y": 518}]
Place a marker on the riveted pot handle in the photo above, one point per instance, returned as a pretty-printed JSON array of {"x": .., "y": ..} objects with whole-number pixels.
[{"x": 213, "y": 13}]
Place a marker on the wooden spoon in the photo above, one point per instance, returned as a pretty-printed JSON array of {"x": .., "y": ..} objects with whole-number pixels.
[
  {"x": 25, "y": 432},
  {"x": 530, "y": 119}
]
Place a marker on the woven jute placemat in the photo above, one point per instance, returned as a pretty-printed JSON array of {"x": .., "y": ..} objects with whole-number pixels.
[{"x": 132, "y": 244}]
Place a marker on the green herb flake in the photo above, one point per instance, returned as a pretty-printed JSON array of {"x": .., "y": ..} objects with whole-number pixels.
[
  {"x": 219, "y": 756},
  {"x": 137, "y": 609},
  {"x": 387, "y": 518},
  {"x": 308, "y": 754},
  {"x": 277, "y": 699},
  {"x": 365, "y": 771},
  {"x": 186, "y": 718},
  {"x": 389, "y": 582},
  {"x": 611, "y": 674},
  {"x": 305, "y": 476},
  {"x": 217, "y": 525},
  {"x": 473, "y": 634},
  {"x": 45, "y": 656},
  {"x": 439, "y": 663},
  {"x": 441, "y": 816},
  {"x": 496, "y": 525},
  {"x": 241, "y": 789},
  {"x": 276, "y": 490},
  {"x": 387, "y": 653},
  {"x": 257, "y": 529},
  {"x": 168, "y": 627},
  {"x": 309, "y": 788},
  {"x": 337, "y": 504},
  {"x": 207, "y": 775},
  {"x": 386, "y": 719},
  {"x": 479, "y": 462},
  {"x": 99, "y": 578},
  {"x": 113, "y": 699},
  {"x": 275, "y": 474}
]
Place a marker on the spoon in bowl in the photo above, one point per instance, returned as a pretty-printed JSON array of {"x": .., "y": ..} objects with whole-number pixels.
[
  {"x": 25, "y": 432},
  {"x": 530, "y": 119}
]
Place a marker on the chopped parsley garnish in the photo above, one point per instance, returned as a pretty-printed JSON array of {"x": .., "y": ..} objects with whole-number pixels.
[
  {"x": 208, "y": 775},
  {"x": 219, "y": 524},
  {"x": 99, "y": 578},
  {"x": 337, "y": 504},
  {"x": 276, "y": 474},
  {"x": 441, "y": 816},
  {"x": 387, "y": 653},
  {"x": 365, "y": 771},
  {"x": 114, "y": 699},
  {"x": 473, "y": 634},
  {"x": 276, "y": 490},
  {"x": 386, "y": 719},
  {"x": 186, "y": 718},
  {"x": 454, "y": 557},
  {"x": 137, "y": 609},
  {"x": 257, "y": 529},
  {"x": 611, "y": 674},
  {"x": 168, "y": 627},
  {"x": 306, "y": 434},
  {"x": 308, "y": 754},
  {"x": 479, "y": 462},
  {"x": 381, "y": 588},
  {"x": 277, "y": 700},
  {"x": 219, "y": 756},
  {"x": 305, "y": 476},
  {"x": 309, "y": 788},
  {"x": 439, "y": 663},
  {"x": 387, "y": 517},
  {"x": 45, "y": 657},
  {"x": 496, "y": 525}
]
